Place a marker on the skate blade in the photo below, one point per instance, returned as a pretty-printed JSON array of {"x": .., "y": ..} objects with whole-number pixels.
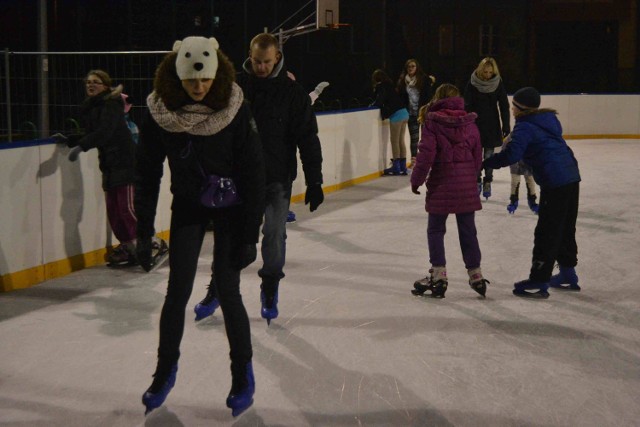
[
  {"x": 570, "y": 288},
  {"x": 481, "y": 292},
  {"x": 241, "y": 411},
  {"x": 121, "y": 264},
  {"x": 426, "y": 295},
  {"x": 532, "y": 295},
  {"x": 159, "y": 261},
  {"x": 199, "y": 317}
]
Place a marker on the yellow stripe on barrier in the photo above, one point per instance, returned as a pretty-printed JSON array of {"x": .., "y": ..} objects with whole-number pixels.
[{"x": 32, "y": 276}]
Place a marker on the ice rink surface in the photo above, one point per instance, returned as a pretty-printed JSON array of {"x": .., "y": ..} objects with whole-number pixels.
[{"x": 352, "y": 346}]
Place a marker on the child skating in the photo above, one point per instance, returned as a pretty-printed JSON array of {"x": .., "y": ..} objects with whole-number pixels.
[
  {"x": 448, "y": 161},
  {"x": 537, "y": 140}
]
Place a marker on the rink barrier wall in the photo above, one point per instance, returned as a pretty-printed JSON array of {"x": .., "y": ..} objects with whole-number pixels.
[{"x": 53, "y": 210}]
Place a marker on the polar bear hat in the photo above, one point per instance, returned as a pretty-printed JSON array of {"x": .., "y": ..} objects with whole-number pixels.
[{"x": 197, "y": 58}]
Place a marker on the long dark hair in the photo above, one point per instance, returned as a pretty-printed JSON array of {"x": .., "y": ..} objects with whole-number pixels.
[
  {"x": 379, "y": 76},
  {"x": 421, "y": 76}
]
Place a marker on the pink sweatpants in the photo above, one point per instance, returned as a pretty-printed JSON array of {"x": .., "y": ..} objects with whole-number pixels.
[{"x": 120, "y": 212}]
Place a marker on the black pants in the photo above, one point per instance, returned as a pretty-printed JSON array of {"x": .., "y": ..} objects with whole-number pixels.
[
  {"x": 555, "y": 234},
  {"x": 188, "y": 226}
]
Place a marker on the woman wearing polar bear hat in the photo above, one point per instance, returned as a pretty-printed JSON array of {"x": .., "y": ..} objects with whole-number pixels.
[{"x": 198, "y": 121}]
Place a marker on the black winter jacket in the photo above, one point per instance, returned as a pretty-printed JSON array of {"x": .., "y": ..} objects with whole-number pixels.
[
  {"x": 235, "y": 151},
  {"x": 286, "y": 123},
  {"x": 425, "y": 94},
  {"x": 107, "y": 130},
  {"x": 387, "y": 99},
  {"x": 486, "y": 105}
]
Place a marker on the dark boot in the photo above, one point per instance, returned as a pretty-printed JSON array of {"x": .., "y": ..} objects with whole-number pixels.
[
  {"x": 209, "y": 303},
  {"x": 391, "y": 170},
  {"x": 402, "y": 164},
  {"x": 243, "y": 387},
  {"x": 269, "y": 299},
  {"x": 163, "y": 381}
]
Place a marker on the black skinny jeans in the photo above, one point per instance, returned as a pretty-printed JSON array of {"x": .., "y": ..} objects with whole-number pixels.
[
  {"x": 555, "y": 234},
  {"x": 188, "y": 226}
]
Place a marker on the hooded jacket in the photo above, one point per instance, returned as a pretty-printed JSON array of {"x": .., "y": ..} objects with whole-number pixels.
[
  {"x": 450, "y": 155},
  {"x": 537, "y": 140},
  {"x": 222, "y": 140},
  {"x": 286, "y": 123},
  {"x": 107, "y": 130}
]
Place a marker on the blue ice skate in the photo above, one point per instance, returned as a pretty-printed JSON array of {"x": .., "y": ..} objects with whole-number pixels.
[
  {"x": 522, "y": 288},
  {"x": 206, "y": 307},
  {"x": 486, "y": 190},
  {"x": 511, "y": 207},
  {"x": 566, "y": 279},
  {"x": 155, "y": 395},
  {"x": 240, "y": 399},
  {"x": 291, "y": 217},
  {"x": 269, "y": 309}
]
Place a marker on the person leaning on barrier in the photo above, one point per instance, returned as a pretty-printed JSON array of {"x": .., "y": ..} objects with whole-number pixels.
[{"x": 103, "y": 112}]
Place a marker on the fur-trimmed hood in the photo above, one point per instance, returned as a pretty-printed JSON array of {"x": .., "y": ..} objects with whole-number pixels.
[{"x": 168, "y": 87}]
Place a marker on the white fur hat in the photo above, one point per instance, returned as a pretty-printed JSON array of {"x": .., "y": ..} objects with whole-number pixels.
[{"x": 197, "y": 58}]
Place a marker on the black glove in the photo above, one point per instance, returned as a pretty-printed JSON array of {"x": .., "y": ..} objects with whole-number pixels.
[
  {"x": 143, "y": 253},
  {"x": 245, "y": 255},
  {"x": 505, "y": 131},
  {"x": 74, "y": 153},
  {"x": 314, "y": 196}
]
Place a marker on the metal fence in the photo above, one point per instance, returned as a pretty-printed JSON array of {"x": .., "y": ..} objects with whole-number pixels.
[{"x": 41, "y": 91}]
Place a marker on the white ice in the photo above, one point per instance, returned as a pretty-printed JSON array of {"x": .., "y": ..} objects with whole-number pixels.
[{"x": 352, "y": 346}]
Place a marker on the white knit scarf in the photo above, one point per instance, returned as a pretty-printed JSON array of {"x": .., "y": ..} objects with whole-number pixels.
[
  {"x": 410, "y": 81},
  {"x": 196, "y": 119}
]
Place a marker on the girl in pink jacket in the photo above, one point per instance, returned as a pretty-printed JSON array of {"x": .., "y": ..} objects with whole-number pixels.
[{"x": 449, "y": 160}]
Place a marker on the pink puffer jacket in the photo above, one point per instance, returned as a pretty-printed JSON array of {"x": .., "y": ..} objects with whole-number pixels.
[{"x": 450, "y": 154}]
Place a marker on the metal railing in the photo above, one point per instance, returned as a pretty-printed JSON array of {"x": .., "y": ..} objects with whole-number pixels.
[{"x": 42, "y": 91}]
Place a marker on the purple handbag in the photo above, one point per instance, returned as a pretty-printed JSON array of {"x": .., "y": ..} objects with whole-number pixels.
[{"x": 219, "y": 192}]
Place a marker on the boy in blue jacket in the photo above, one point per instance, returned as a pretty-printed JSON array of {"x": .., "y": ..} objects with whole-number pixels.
[{"x": 537, "y": 140}]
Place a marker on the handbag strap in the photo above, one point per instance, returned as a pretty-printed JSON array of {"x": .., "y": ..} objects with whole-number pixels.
[{"x": 186, "y": 152}]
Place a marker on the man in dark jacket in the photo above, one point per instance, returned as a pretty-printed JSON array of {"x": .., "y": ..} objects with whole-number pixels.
[
  {"x": 286, "y": 123},
  {"x": 537, "y": 140}
]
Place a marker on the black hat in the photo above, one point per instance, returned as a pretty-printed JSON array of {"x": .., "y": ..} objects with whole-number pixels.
[{"x": 526, "y": 98}]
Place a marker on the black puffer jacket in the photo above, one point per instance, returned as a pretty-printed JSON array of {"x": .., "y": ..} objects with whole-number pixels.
[
  {"x": 286, "y": 122},
  {"x": 106, "y": 130},
  {"x": 486, "y": 105}
]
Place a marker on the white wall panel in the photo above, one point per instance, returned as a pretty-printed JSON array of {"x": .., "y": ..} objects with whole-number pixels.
[
  {"x": 53, "y": 209},
  {"x": 20, "y": 210}
]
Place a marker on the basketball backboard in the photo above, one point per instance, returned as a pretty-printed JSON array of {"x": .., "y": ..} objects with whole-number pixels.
[{"x": 327, "y": 13}]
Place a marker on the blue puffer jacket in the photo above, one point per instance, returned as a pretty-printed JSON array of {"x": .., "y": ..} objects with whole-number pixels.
[{"x": 537, "y": 140}]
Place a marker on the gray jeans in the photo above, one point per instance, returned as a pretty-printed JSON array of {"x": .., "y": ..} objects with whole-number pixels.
[{"x": 274, "y": 230}]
